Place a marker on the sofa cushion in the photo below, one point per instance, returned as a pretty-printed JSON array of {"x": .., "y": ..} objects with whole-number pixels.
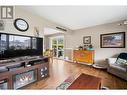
[
  {"x": 118, "y": 67},
  {"x": 121, "y": 62},
  {"x": 122, "y": 56},
  {"x": 111, "y": 60}
]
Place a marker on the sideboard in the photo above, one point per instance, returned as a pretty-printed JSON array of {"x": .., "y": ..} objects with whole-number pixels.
[{"x": 83, "y": 56}]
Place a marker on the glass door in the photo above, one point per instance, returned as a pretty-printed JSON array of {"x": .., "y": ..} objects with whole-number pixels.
[
  {"x": 60, "y": 47},
  {"x": 54, "y": 46},
  {"x": 57, "y": 45}
]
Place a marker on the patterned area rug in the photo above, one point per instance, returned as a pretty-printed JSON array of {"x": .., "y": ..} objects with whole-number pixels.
[
  {"x": 66, "y": 83},
  {"x": 104, "y": 88}
]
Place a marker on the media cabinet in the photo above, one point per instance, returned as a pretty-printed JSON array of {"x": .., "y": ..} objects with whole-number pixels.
[{"x": 17, "y": 74}]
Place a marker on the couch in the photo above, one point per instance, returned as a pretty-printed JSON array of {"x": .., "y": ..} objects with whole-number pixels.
[{"x": 117, "y": 69}]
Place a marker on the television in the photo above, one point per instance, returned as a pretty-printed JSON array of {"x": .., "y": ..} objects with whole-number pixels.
[{"x": 12, "y": 45}]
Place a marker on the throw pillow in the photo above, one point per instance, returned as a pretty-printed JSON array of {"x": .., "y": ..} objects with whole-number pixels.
[{"x": 121, "y": 62}]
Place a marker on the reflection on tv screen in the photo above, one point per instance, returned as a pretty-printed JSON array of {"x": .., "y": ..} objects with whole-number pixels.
[
  {"x": 19, "y": 42},
  {"x": 3, "y": 42}
]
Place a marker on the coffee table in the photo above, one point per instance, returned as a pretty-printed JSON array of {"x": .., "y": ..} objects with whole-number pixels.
[{"x": 85, "y": 81}]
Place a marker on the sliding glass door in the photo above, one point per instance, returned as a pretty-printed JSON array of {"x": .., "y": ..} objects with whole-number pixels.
[
  {"x": 57, "y": 45},
  {"x": 54, "y": 46}
]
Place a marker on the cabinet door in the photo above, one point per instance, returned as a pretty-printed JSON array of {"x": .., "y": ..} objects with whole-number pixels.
[
  {"x": 5, "y": 80},
  {"x": 4, "y": 84},
  {"x": 43, "y": 71},
  {"x": 83, "y": 56}
]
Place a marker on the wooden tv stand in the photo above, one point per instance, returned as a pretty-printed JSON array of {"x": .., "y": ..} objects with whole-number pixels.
[{"x": 16, "y": 77}]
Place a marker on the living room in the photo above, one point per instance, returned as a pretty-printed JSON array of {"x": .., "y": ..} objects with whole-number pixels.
[{"x": 90, "y": 48}]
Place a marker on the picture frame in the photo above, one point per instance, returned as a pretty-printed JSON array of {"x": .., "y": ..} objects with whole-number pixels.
[
  {"x": 112, "y": 40},
  {"x": 87, "y": 39}
]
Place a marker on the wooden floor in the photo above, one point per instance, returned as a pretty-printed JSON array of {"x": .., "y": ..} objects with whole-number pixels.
[{"x": 61, "y": 70}]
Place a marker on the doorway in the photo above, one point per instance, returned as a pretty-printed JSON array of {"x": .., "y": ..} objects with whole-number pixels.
[{"x": 57, "y": 45}]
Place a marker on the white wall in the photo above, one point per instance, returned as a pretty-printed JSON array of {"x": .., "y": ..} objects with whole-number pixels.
[
  {"x": 76, "y": 39},
  {"x": 33, "y": 21}
]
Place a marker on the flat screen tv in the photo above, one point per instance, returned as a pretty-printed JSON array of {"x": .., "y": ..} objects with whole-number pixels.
[{"x": 12, "y": 45}]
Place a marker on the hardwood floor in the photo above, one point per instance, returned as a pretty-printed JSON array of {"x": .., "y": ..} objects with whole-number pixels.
[{"x": 61, "y": 70}]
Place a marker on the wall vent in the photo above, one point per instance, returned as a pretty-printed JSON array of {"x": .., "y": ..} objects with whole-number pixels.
[{"x": 61, "y": 29}]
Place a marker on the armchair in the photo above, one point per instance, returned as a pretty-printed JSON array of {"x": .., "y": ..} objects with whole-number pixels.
[{"x": 117, "y": 69}]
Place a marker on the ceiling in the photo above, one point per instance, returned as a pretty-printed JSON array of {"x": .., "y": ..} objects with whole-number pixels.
[
  {"x": 50, "y": 31},
  {"x": 77, "y": 17}
]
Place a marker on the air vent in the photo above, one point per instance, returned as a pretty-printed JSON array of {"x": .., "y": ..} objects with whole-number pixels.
[{"x": 61, "y": 29}]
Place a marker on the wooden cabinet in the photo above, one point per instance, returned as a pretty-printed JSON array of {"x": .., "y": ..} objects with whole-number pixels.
[{"x": 83, "y": 56}]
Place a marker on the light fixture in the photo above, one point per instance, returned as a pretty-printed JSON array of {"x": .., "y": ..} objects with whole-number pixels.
[
  {"x": 119, "y": 24},
  {"x": 122, "y": 23},
  {"x": 125, "y": 22}
]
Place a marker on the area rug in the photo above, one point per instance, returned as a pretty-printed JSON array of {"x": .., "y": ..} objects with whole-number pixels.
[
  {"x": 104, "y": 88},
  {"x": 66, "y": 83},
  {"x": 69, "y": 81}
]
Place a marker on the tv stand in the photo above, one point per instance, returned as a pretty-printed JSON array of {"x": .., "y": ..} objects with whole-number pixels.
[{"x": 22, "y": 73}]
